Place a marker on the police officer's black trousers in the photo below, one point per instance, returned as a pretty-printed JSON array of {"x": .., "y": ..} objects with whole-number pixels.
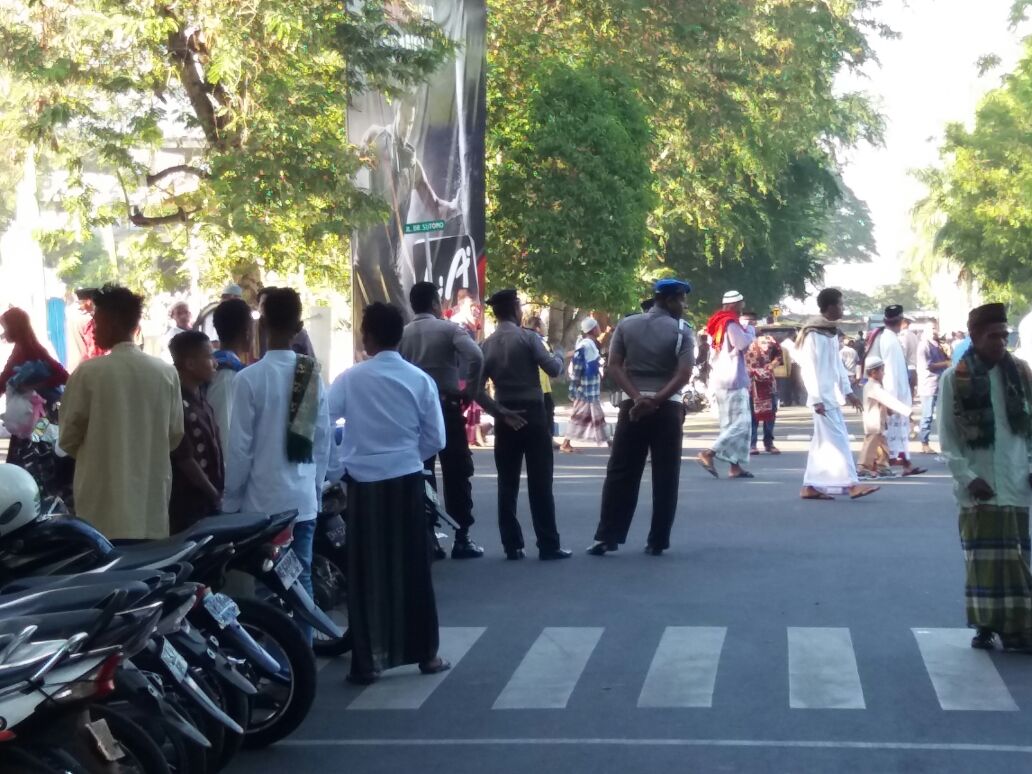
[
  {"x": 456, "y": 465},
  {"x": 661, "y": 433},
  {"x": 511, "y": 446}
]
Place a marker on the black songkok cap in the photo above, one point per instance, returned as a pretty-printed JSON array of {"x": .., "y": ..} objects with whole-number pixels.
[
  {"x": 988, "y": 314},
  {"x": 502, "y": 297},
  {"x": 893, "y": 312}
]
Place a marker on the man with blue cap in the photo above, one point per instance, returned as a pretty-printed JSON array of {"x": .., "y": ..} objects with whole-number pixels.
[{"x": 651, "y": 357}]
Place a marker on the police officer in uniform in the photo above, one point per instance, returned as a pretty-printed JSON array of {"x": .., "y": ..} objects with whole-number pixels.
[
  {"x": 512, "y": 356},
  {"x": 447, "y": 353},
  {"x": 651, "y": 357}
]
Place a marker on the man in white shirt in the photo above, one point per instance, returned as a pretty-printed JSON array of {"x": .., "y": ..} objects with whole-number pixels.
[
  {"x": 730, "y": 383},
  {"x": 986, "y": 432},
  {"x": 394, "y": 423},
  {"x": 280, "y": 431},
  {"x": 887, "y": 345},
  {"x": 830, "y": 468}
]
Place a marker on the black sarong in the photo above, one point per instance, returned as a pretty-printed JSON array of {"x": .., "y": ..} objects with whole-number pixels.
[{"x": 391, "y": 608}]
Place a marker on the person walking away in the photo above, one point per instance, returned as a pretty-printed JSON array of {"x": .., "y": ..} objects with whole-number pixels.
[
  {"x": 932, "y": 363},
  {"x": 301, "y": 343},
  {"x": 878, "y": 406},
  {"x": 910, "y": 342},
  {"x": 279, "y": 442},
  {"x": 198, "y": 471},
  {"x": 829, "y": 467},
  {"x": 587, "y": 418},
  {"x": 394, "y": 422},
  {"x": 445, "y": 351},
  {"x": 31, "y": 369},
  {"x": 850, "y": 361},
  {"x": 84, "y": 332},
  {"x": 651, "y": 357},
  {"x": 731, "y": 388},
  {"x": 121, "y": 417},
  {"x": 788, "y": 372},
  {"x": 538, "y": 326},
  {"x": 702, "y": 358},
  {"x": 512, "y": 356},
  {"x": 234, "y": 327},
  {"x": 884, "y": 343},
  {"x": 986, "y": 433},
  {"x": 762, "y": 357}
]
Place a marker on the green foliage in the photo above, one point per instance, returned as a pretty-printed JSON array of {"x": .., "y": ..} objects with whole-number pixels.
[
  {"x": 573, "y": 197},
  {"x": 740, "y": 101},
  {"x": 223, "y": 122},
  {"x": 980, "y": 199},
  {"x": 908, "y": 292}
]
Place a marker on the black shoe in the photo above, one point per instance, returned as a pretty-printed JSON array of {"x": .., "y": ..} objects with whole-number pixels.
[
  {"x": 514, "y": 554},
  {"x": 599, "y": 548},
  {"x": 984, "y": 639},
  {"x": 555, "y": 553},
  {"x": 466, "y": 549},
  {"x": 653, "y": 551}
]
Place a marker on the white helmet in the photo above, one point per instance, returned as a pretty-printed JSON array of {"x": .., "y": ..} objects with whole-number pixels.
[{"x": 19, "y": 499}]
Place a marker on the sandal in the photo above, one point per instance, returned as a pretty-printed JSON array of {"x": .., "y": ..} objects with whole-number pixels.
[
  {"x": 742, "y": 474},
  {"x": 707, "y": 465},
  {"x": 914, "y": 471},
  {"x": 862, "y": 490},
  {"x": 815, "y": 494},
  {"x": 434, "y": 667}
]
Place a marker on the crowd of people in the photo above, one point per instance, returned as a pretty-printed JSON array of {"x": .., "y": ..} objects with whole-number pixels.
[{"x": 228, "y": 427}]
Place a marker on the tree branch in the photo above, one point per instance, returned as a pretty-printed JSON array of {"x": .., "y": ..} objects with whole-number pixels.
[
  {"x": 137, "y": 218},
  {"x": 185, "y": 169}
]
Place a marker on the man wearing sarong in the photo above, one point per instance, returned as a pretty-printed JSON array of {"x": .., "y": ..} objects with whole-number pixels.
[
  {"x": 730, "y": 383},
  {"x": 885, "y": 343},
  {"x": 650, "y": 359},
  {"x": 829, "y": 467},
  {"x": 587, "y": 418},
  {"x": 394, "y": 423},
  {"x": 985, "y": 427}
]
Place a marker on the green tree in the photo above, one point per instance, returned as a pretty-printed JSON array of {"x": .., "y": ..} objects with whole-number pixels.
[
  {"x": 253, "y": 99},
  {"x": 581, "y": 163},
  {"x": 980, "y": 198}
]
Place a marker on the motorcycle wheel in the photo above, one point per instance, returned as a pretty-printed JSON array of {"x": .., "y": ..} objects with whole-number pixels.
[
  {"x": 181, "y": 755},
  {"x": 330, "y": 587},
  {"x": 237, "y": 705},
  {"x": 278, "y": 709},
  {"x": 142, "y": 754}
]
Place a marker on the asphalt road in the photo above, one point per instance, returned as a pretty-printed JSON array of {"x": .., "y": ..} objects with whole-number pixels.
[{"x": 776, "y": 635}]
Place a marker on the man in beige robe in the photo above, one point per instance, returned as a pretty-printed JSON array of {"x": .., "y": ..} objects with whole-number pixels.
[{"x": 121, "y": 417}]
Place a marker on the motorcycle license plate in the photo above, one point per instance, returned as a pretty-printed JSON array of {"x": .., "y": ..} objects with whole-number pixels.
[
  {"x": 222, "y": 608},
  {"x": 171, "y": 658},
  {"x": 288, "y": 569},
  {"x": 336, "y": 531}
]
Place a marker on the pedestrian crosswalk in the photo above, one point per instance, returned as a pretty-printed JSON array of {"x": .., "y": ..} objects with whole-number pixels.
[{"x": 822, "y": 671}]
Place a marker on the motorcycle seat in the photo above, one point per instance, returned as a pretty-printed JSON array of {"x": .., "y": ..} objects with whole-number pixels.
[
  {"x": 226, "y": 527},
  {"x": 69, "y": 599},
  {"x": 153, "y": 579},
  {"x": 51, "y": 625},
  {"x": 151, "y": 554}
]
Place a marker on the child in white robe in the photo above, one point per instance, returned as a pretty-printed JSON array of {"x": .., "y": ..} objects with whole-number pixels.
[{"x": 879, "y": 404}]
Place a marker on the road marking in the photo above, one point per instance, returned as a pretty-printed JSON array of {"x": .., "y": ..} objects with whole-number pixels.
[
  {"x": 405, "y": 688},
  {"x": 684, "y": 668},
  {"x": 742, "y": 743},
  {"x": 549, "y": 672},
  {"x": 822, "y": 671},
  {"x": 964, "y": 678}
]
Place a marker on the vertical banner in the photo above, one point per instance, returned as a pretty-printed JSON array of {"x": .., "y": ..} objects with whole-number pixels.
[{"x": 427, "y": 152}]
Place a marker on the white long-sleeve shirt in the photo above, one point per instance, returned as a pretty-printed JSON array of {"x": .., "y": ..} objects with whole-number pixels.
[
  {"x": 824, "y": 376},
  {"x": 878, "y": 401},
  {"x": 729, "y": 361},
  {"x": 1004, "y": 465},
  {"x": 259, "y": 477},
  {"x": 393, "y": 415}
]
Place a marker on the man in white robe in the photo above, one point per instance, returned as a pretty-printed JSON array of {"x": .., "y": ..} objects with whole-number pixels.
[
  {"x": 888, "y": 346},
  {"x": 829, "y": 468}
]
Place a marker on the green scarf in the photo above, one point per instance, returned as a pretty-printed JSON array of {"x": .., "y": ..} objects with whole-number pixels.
[
  {"x": 817, "y": 324},
  {"x": 304, "y": 409},
  {"x": 973, "y": 404}
]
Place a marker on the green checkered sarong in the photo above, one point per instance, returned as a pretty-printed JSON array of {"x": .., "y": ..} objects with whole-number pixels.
[{"x": 998, "y": 587}]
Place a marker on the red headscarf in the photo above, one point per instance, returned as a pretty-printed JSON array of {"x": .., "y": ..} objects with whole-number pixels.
[{"x": 18, "y": 330}]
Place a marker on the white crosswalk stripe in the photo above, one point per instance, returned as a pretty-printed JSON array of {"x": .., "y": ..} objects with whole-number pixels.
[
  {"x": 963, "y": 678},
  {"x": 684, "y": 670},
  {"x": 405, "y": 688},
  {"x": 822, "y": 672},
  {"x": 549, "y": 672}
]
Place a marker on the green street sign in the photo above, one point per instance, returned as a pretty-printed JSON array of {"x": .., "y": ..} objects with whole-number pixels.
[{"x": 424, "y": 227}]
